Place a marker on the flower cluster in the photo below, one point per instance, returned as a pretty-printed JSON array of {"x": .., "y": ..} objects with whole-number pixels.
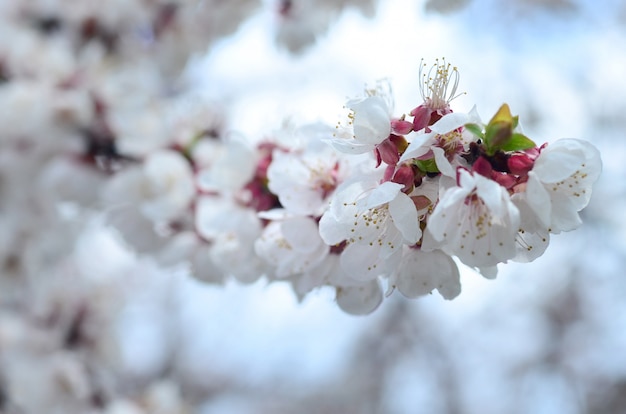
[
  {"x": 97, "y": 113},
  {"x": 378, "y": 203}
]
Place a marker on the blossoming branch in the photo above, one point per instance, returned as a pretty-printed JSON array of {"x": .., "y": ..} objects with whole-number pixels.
[{"x": 376, "y": 204}]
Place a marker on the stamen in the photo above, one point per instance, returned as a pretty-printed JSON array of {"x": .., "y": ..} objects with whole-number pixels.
[{"x": 438, "y": 87}]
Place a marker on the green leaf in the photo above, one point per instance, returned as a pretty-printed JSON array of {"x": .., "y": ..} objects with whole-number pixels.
[
  {"x": 475, "y": 129},
  {"x": 497, "y": 134},
  {"x": 518, "y": 142},
  {"x": 515, "y": 121},
  {"x": 428, "y": 166},
  {"x": 499, "y": 129}
]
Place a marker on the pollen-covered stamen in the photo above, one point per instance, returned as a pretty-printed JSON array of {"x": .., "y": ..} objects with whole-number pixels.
[
  {"x": 480, "y": 217},
  {"x": 370, "y": 228},
  {"x": 438, "y": 86},
  {"x": 476, "y": 221},
  {"x": 452, "y": 142}
]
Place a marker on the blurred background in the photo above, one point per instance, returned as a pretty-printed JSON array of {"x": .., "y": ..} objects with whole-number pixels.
[{"x": 90, "y": 325}]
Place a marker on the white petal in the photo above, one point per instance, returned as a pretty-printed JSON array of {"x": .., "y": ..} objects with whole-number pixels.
[
  {"x": 404, "y": 216},
  {"x": 442, "y": 162},
  {"x": 474, "y": 117},
  {"x": 372, "y": 124},
  {"x": 362, "y": 262},
  {"x": 467, "y": 180},
  {"x": 330, "y": 230},
  {"x": 449, "y": 203},
  {"x": 421, "y": 272},
  {"x": 301, "y": 233},
  {"x": 531, "y": 246},
  {"x": 360, "y": 300},
  {"x": 274, "y": 214},
  {"x": 382, "y": 194},
  {"x": 450, "y": 122},
  {"x": 538, "y": 199},
  {"x": 350, "y": 146},
  {"x": 343, "y": 202},
  {"x": 560, "y": 159},
  {"x": 564, "y": 214},
  {"x": 420, "y": 145},
  {"x": 488, "y": 272},
  {"x": 492, "y": 194}
]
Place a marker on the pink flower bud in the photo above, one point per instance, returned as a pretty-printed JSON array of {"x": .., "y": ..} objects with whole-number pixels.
[
  {"x": 421, "y": 118},
  {"x": 520, "y": 164},
  {"x": 505, "y": 180},
  {"x": 404, "y": 175},
  {"x": 388, "y": 152},
  {"x": 421, "y": 202},
  {"x": 389, "y": 171},
  {"x": 401, "y": 127},
  {"x": 482, "y": 167},
  {"x": 400, "y": 142}
]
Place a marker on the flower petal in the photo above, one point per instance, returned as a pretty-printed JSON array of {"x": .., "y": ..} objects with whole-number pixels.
[
  {"x": 360, "y": 300},
  {"x": 372, "y": 124},
  {"x": 450, "y": 122},
  {"x": 420, "y": 272},
  {"x": 420, "y": 145},
  {"x": 404, "y": 216},
  {"x": 382, "y": 194}
]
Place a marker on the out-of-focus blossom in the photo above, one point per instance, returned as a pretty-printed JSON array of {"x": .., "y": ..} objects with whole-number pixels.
[{"x": 163, "y": 189}]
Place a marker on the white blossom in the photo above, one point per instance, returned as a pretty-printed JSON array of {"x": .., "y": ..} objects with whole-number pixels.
[
  {"x": 163, "y": 187},
  {"x": 443, "y": 139},
  {"x": 231, "y": 230},
  {"x": 476, "y": 221},
  {"x": 369, "y": 122},
  {"x": 303, "y": 180},
  {"x": 375, "y": 221},
  {"x": 233, "y": 166},
  {"x": 559, "y": 184}
]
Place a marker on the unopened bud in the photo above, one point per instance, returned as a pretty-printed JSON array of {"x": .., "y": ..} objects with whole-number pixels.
[
  {"x": 388, "y": 152},
  {"x": 401, "y": 127},
  {"x": 483, "y": 167},
  {"x": 421, "y": 118},
  {"x": 404, "y": 175},
  {"x": 520, "y": 164}
]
